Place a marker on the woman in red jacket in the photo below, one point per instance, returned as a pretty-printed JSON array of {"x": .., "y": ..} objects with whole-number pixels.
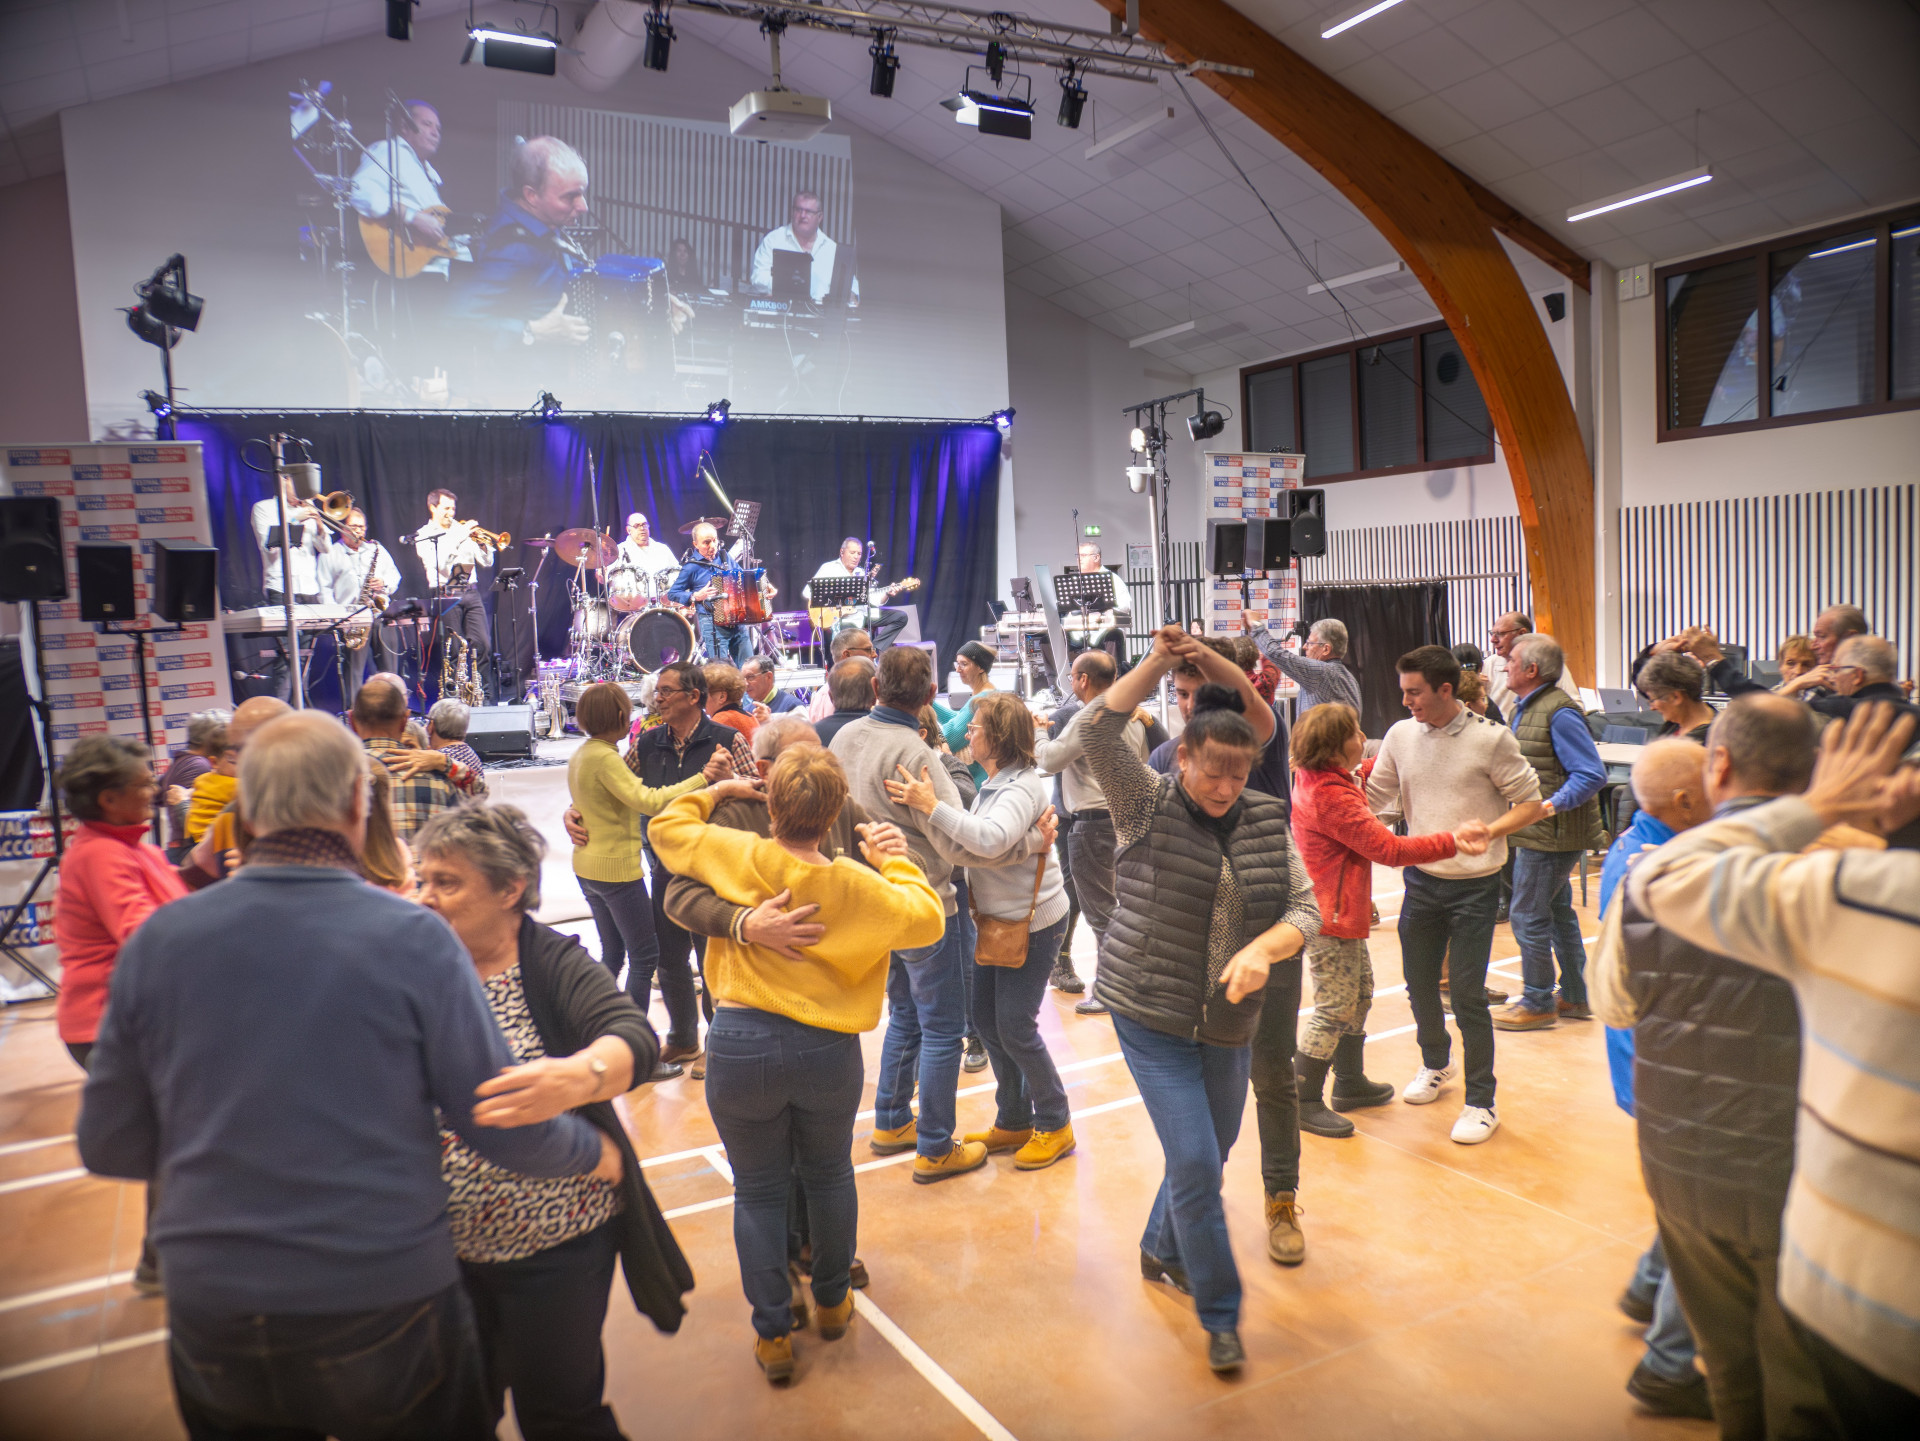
[{"x": 1340, "y": 842}]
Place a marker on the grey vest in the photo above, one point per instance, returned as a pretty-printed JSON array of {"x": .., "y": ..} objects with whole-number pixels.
[
  {"x": 1574, "y": 830},
  {"x": 1153, "y": 965}
]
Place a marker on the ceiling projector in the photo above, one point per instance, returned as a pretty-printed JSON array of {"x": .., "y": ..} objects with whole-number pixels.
[{"x": 780, "y": 115}]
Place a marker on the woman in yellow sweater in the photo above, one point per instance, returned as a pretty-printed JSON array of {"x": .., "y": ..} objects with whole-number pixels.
[
  {"x": 783, "y": 1053},
  {"x": 612, "y": 802}
]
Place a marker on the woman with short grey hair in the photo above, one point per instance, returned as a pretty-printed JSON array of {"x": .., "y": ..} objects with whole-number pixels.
[
  {"x": 1673, "y": 683},
  {"x": 537, "y": 1254}
]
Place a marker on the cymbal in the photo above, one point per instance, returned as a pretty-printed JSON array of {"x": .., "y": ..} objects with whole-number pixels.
[
  {"x": 716, "y": 521},
  {"x": 583, "y": 545}
]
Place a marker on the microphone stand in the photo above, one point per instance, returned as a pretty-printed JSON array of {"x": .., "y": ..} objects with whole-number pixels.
[{"x": 295, "y": 681}]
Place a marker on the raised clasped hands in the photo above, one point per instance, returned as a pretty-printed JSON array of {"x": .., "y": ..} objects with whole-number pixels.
[
  {"x": 719, "y": 766},
  {"x": 1859, "y": 779}
]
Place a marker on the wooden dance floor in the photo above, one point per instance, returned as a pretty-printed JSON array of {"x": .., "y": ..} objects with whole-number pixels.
[{"x": 1448, "y": 1291}]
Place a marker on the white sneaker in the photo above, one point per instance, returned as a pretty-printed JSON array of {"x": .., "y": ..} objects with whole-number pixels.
[
  {"x": 1425, "y": 1086},
  {"x": 1476, "y": 1124}
]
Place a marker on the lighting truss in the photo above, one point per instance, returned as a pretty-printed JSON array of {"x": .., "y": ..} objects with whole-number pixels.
[{"x": 1020, "y": 38}]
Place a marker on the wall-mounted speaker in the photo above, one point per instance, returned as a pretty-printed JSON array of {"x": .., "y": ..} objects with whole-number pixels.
[
  {"x": 105, "y": 572},
  {"x": 31, "y": 566},
  {"x": 184, "y": 586}
]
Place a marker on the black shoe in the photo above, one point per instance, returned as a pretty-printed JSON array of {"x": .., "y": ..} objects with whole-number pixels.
[
  {"x": 1310, "y": 1079},
  {"x": 1634, "y": 1309},
  {"x": 1224, "y": 1351},
  {"x": 1352, "y": 1091},
  {"x": 1089, "y": 1007},
  {"x": 1670, "y": 1398},
  {"x": 1065, "y": 980},
  {"x": 1152, "y": 1268},
  {"x": 976, "y": 1056},
  {"x": 666, "y": 1071}
]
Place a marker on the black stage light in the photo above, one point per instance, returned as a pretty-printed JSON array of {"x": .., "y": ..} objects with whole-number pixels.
[
  {"x": 141, "y": 322},
  {"x": 885, "y": 63},
  {"x": 548, "y": 405},
  {"x": 400, "y": 19},
  {"x": 659, "y": 40},
  {"x": 993, "y": 114},
  {"x": 157, "y": 403},
  {"x": 1002, "y": 420},
  {"x": 1073, "y": 99},
  {"x": 717, "y": 412},
  {"x": 530, "y": 51},
  {"x": 996, "y": 60},
  {"x": 166, "y": 298},
  {"x": 1205, "y": 424}
]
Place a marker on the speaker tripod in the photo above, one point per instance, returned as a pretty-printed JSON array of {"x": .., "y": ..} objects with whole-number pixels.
[{"x": 8, "y": 946}]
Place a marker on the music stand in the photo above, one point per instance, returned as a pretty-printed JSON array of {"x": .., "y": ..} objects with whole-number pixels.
[
  {"x": 1084, "y": 590},
  {"x": 837, "y": 592}
]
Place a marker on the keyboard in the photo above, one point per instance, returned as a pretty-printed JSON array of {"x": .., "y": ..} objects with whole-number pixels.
[{"x": 272, "y": 619}]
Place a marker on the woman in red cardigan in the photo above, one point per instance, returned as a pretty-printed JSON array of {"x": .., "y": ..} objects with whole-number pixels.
[
  {"x": 111, "y": 879},
  {"x": 1340, "y": 842}
]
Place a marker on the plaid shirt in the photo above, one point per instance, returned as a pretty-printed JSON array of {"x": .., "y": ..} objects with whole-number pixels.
[
  {"x": 418, "y": 799},
  {"x": 464, "y": 770}
]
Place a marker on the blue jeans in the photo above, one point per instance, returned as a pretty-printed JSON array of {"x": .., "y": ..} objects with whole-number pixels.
[
  {"x": 926, "y": 1021},
  {"x": 1546, "y": 927},
  {"x": 623, "y": 914},
  {"x": 726, "y": 644},
  {"x": 783, "y": 1097},
  {"x": 963, "y": 918},
  {"x": 1194, "y": 1094},
  {"x": 1450, "y": 922},
  {"x": 1028, "y": 1091},
  {"x": 408, "y": 1371},
  {"x": 1669, "y": 1340}
]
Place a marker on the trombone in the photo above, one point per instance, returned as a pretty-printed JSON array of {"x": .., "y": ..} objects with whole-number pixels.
[{"x": 331, "y": 509}]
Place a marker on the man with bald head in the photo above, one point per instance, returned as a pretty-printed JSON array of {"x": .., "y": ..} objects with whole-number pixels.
[{"x": 220, "y": 848}]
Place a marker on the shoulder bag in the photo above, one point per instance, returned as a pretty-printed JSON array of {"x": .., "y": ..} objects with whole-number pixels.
[{"x": 1004, "y": 943}]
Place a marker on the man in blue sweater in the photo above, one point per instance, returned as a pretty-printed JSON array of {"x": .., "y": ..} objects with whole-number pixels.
[{"x": 273, "y": 1055}]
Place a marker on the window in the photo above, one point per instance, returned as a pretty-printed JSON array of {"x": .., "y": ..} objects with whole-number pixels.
[
  {"x": 1391, "y": 403},
  {"x": 1815, "y": 327}
]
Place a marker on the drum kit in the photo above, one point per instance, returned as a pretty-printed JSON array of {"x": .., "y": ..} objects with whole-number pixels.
[{"x": 633, "y": 630}]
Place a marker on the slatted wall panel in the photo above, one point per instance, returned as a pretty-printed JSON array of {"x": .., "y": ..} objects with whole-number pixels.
[
  {"x": 653, "y": 181},
  {"x": 1483, "y": 562},
  {"x": 1758, "y": 570}
]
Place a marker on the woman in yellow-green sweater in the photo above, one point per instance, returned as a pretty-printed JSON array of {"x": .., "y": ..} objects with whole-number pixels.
[
  {"x": 611, "y": 801},
  {"x": 783, "y": 1053}
]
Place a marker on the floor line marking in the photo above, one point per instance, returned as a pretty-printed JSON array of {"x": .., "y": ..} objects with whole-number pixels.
[
  {"x": 717, "y": 1155},
  {"x": 18, "y": 1146},
  {"x": 82, "y": 1353},
  {"x": 60, "y": 1293},
  {"x": 51, "y": 1178},
  {"x": 930, "y": 1370}
]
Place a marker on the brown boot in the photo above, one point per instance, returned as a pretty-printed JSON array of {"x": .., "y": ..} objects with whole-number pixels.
[
  {"x": 998, "y": 1141},
  {"x": 1286, "y": 1243},
  {"x": 890, "y": 1143},
  {"x": 964, "y": 1157},
  {"x": 834, "y": 1320},
  {"x": 775, "y": 1357},
  {"x": 1044, "y": 1149}
]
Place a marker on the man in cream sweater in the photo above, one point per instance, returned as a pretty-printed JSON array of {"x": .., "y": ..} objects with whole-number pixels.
[{"x": 1440, "y": 769}]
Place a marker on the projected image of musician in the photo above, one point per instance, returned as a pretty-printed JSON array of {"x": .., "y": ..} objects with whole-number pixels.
[
  {"x": 703, "y": 584},
  {"x": 802, "y": 235},
  {"x": 515, "y": 292},
  {"x": 453, "y": 553}
]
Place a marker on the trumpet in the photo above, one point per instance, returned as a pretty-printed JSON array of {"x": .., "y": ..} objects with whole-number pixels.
[{"x": 485, "y": 537}]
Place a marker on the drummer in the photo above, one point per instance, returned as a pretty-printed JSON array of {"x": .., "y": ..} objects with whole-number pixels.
[{"x": 654, "y": 563}]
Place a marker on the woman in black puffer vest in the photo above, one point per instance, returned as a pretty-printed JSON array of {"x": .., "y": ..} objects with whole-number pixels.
[{"x": 1209, "y": 895}]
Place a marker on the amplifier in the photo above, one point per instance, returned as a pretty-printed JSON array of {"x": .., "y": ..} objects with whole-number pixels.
[{"x": 500, "y": 732}]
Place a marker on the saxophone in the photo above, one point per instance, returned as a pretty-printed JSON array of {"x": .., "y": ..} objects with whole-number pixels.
[
  {"x": 470, "y": 692},
  {"x": 371, "y": 594},
  {"x": 449, "y": 664}
]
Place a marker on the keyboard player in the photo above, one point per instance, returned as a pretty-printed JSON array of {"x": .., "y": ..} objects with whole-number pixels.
[{"x": 1100, "y": 629}]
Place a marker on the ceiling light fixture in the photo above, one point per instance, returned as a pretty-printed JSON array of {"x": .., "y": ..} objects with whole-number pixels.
[
  {"x": 1353, "y": 17},
  {"x": 1002, "y": 420},
  {"x": 1139, "y": 340},
  {"x": 718, "y": 411},
  {"x": 660, "y": 38},
  {"x": 1322, "y": 286},
  {"x": 992, "y": 114},
  {"x": 1205, "y": 424},
  {"x": 532, "y": 52},
  {"x": 885, "y": 63},
  {"x": 400, "y": 19},
  {"x": 1073, "y": 97},
  {"x": 996, "y": 60},
  {"x": 1686, "y": 180},
  {"x": 1843, "y": 249}
]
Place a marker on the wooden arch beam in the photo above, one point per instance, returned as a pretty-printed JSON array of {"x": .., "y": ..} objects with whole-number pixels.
[{"x": 1433, "y": 216}]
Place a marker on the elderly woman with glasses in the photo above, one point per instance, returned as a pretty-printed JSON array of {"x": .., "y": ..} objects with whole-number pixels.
[
  {"x": 537, "y": 1254},
  {"x": 1673, "y": 684}
]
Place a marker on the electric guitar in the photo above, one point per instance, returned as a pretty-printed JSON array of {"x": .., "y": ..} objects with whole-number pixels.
[
  {"x": 825, "y": 617},
  {"x": 395, "y": 251}
]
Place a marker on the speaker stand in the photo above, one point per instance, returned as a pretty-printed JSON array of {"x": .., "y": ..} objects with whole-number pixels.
[
  {"x": 139, "y": 638},
  {"x": 52, "y": 862}
]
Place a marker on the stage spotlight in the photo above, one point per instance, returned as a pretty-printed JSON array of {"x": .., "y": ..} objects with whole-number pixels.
[
  {"x": 141, "y": 322},
  {"x": 548, "y": 405},
  {"x": 1205, "y": 424},
  {"x": 157, "y": 403},
  {"x": 531, "y": 51},
  {"x": 1002, "y": 419},
  {"x": 717, "y": 412},
  {"x": 1139, "y": 477},
  {"x": 1073, "y": 99},
  {"x": 996, "y": 60},
  {"x": 885, "y": 63},
  {"x": 659, "y": 40},
  {"x": 992, "y": 114},
  {"x": 400, "y": 19},
  {"x": 166, "y": 298}
]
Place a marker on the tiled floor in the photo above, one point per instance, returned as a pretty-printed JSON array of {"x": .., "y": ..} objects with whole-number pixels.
[{"x": 1448, "y": 1291}]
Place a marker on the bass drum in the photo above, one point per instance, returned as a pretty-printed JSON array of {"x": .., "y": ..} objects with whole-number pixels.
[
  {"x": 654, "y": 639},
  {"x": 592, "y": 621}
]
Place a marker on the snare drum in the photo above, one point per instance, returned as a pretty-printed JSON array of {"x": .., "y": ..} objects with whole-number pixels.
[
  {"x": 627, "y": 589},
  {"x": 655, "y": 638}
]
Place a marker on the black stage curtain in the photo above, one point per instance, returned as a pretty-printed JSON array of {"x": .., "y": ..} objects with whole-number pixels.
[
  {"x": 1383, "y": 623},
  {"x": 925, "y": 492}
]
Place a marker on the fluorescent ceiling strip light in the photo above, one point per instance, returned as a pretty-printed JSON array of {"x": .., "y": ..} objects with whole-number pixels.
[
  {"x": 1910, "y": 230},
  {"x": 514, "y": 37},
  {"x": 1843, "y": 249},
  {"x": 1181, "y": 329},
  {"x": 1320, "y": 287},
  {"x": 1354, "y": 17},
  {"x": 1684, "y": 181}
]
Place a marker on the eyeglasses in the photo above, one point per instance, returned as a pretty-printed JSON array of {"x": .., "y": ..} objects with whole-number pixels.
[
  {"x": 667, "y": 690},
  {"x": 1499, "y": 634}
]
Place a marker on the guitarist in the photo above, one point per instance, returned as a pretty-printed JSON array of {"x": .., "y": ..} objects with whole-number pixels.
[
  {"x": 883, "y": 624},
  {"x": 396, "y": 184},
  {"x": 698, "y": 585}
]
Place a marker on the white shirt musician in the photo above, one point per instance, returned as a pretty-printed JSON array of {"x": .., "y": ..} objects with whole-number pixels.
[
  {"x": 442, "y": 545},
  {"x": 802, "y": 233},
  {"x": 1093, "y": 626},
  {"x": 400, "y": 173},
  {"x": 314, "y": 543},
  {"x": 883, "y": 624},
  {"x": 347, "y": 571},
  {"x": 641, "y": 552}
]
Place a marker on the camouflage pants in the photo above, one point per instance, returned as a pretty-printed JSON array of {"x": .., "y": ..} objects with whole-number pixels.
[{"x": 1342, "y": 972}]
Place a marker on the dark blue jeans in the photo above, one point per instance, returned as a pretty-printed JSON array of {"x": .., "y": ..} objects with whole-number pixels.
[
  {"x": 539, "y": 1320},
  {"x": 1028, "y": 1090},
  {"x": 677, "y": 960},
  {"x": 1450, "y": 923},
  {"x": 726, "y": 644},
  {"x": 623, "y": 914},
  {"x": 783, "y": 1096},
  {"x": 1546, "y": 927},
  {"x": 1669, "y": 1340},
  {"x": 410, "y": 1372},
  {"x": 963, "y": 918},
  {"x": 926, "y": 1020},
  {"x": 1194, "y": 1094}
]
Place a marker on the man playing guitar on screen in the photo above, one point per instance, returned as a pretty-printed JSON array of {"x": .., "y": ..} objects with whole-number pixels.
[{"x": 882, "y": 624}]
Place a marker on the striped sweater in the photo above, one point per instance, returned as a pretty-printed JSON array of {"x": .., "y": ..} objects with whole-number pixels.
[{"x": 1844, "y": 928}]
